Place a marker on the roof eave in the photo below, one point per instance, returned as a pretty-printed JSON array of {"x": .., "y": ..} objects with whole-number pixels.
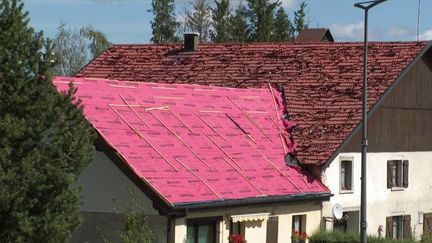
[
  {"x": 255, "y": 201},
  {"x": 375, "y": 106}
]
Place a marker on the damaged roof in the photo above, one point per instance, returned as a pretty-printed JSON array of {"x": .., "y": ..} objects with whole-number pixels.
[
  {"x": 322, "y": 80},
  {"x": 194, "y": 143}
]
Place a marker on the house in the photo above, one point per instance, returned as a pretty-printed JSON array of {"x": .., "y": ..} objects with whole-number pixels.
[
  {"x": 323, "y": 84},
  {"x": 205, "y": 162},
  {"x": 314, "y": 35}
]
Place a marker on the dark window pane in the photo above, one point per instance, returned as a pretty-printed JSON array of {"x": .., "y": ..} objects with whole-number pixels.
[
  {"x": 206, "y": 234},
  {"x": 190, "y": 234}
]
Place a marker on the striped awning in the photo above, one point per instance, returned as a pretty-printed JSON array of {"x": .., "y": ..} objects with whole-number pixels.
[{"x": 250, "y": 217}]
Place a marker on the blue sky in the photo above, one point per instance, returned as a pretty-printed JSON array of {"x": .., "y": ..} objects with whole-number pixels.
[{"x": 128, "y": 21}]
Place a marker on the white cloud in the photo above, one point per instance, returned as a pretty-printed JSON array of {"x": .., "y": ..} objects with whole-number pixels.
[
  {"x": 399, "y": 32},
  {"x": 427, "y": 35},
  {"x": 347, "y": 31},
  {"x": 289, "y": 3}
]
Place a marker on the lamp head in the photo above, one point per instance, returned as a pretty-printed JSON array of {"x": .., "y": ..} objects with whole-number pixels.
[{"x": 368, "y": 4}]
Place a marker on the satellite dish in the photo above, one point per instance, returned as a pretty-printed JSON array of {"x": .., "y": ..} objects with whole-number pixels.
[{"x": 337, "y": 211}]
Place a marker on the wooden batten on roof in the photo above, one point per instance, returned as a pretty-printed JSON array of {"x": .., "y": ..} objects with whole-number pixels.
[{"x": 182, "y": 147}]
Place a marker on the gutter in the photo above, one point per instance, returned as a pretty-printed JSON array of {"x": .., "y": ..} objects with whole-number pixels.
[
  {"x": 255, "y": 201},
  {"x": 375, "y": 107}
]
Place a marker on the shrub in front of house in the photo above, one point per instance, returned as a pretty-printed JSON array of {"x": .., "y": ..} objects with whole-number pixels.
[
  {"x": 341, "y": 237},
  {"x": 426, "y": 239}
]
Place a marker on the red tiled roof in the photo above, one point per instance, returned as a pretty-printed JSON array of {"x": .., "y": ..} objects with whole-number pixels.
[
  {"x": 323, "y": 80},
  {"x": 195, "y": 143}
]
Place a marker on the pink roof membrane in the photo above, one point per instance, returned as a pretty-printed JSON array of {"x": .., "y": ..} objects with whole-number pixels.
[{"x": 194, "y": 143}]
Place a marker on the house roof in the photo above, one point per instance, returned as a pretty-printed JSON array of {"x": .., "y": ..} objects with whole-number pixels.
[
  {"x": 322, "y": 80},
  {"x": 195, "y": 143},
  {"x": 314, "y": 35}
]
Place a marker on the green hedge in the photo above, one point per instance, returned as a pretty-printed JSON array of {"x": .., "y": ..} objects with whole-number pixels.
[{"x": 340, "y": 237}]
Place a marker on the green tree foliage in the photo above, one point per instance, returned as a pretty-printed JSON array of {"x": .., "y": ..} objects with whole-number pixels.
[
  {"x": 75, "y": 47},
  {"x": 45, "y": 141},
  {"x": 199, "y": 19},
  {"x": 261, "y": 17},
  {"x": 137, "y": 228},
  {"x": 239, "y": 28},
  {"x": 283, "y": 28},
  {"x": 300, "y": 18},
  {"x": 70, "y": 49},
  {"x": 97, "y": 41},
  {"x": 164, "y": 23},
  {"x": 221, "y": 21}
]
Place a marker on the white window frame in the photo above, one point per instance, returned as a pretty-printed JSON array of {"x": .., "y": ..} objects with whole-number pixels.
[{"x": 343, "y": 191}]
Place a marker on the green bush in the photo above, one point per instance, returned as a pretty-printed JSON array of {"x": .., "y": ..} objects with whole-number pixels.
[
  {"x": 426, "y": 239},
  {"x": 341, "y": 237}
]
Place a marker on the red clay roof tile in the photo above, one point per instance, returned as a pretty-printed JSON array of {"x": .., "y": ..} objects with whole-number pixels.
[{"x": 322, "y": 81}]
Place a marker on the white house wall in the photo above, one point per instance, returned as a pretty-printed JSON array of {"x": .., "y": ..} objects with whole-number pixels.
[
  {"x": 381, "y": 201},
  {"x": 255, "y": 231}
]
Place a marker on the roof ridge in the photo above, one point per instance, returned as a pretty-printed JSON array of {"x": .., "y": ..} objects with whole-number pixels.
[{"x": 346, "y": 43}]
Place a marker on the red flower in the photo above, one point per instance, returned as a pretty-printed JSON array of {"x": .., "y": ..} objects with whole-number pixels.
[{"x": 236, "y": 238}]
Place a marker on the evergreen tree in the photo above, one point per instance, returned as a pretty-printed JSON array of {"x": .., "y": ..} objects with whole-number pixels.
[
  {"x": 164, "y": 24},
  {"x": 283, "y": 28},
  {"x": 300, "y": 18},
  {"x": 199, "y": 19},
  {"x": 239, "y": 28},
  {"x": 45, "y": 141},
  {"x": 260, "y": 13},
  {"x": 221, "y": 21},
  {"x": 98, "y": 41}
]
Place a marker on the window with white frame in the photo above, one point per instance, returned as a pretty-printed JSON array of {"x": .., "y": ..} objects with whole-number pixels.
[
  {"x": 299, "y": 229},
  {"x": 346, "y": 175}
]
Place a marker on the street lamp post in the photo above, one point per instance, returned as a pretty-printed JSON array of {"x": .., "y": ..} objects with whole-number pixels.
[{"x": 363, "y": 219}]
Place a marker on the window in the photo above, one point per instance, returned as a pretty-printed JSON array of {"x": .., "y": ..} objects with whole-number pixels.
[
  {"x": 201, "y": 230},
  {"x": 299, "y": 229},
  {"x": 346, "y": 175},
  {"x": 398, "y": 227},
  {"x": 397, "y": 173},
  {"x": 237, "y": 228}
]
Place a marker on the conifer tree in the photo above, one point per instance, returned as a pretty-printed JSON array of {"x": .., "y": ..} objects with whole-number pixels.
[
  {"x": 199, "y": 19},
  {"x": 283, "y": 28},
  {"x": 164, "y": 24},
  {"x": 261, "y": 17},
  {"x": 45, "y": 141},
  {"x": 221, "y": 17},
  {"x": 239, "y": 28},
  {"x": 300, "y": 18}
]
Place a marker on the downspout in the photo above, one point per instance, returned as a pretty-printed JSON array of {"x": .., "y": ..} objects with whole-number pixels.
[{"x": 169, "y": 229}]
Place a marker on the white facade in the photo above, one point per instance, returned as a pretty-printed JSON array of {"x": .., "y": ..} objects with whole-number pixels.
[
  {"x": 382, "y": 202},
  {"x": 255, "y": 231}
]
